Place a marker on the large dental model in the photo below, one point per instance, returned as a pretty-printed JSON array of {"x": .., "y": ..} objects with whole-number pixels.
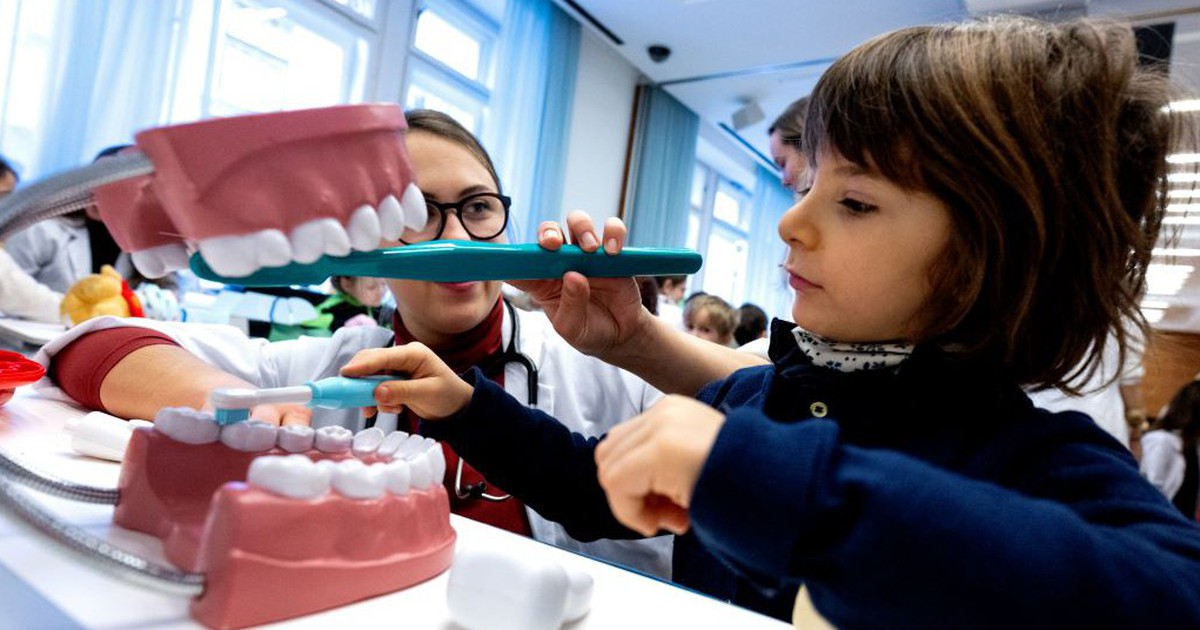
[{"x": 323, "y": 517}]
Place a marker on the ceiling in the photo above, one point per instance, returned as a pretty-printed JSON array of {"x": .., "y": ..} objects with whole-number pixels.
[{"x": 726, "y": 54}]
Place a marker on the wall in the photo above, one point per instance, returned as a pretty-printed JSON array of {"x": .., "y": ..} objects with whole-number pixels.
[
  {"x": 1172, "y": 360},
  {"x": 604, "y": 91}
]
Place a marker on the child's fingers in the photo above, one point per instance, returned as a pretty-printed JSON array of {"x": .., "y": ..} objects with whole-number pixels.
[
  {"x": 550, "y": 235},
  {"x": 406, "y": 359},
  {"x": 583, "y": 230},
  {"x": 614, "y": 235}
]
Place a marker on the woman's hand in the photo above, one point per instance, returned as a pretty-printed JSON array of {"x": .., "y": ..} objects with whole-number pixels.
[
  {"x": 432, "y": 390},
  {"x": 595, "y": 315},
  {"x": 282, "y": 414},
  {"x": 649, "y": 465}
]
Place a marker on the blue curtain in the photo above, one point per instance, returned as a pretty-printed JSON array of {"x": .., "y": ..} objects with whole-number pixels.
[
  {"x": 664, "y": 160},
  {"x": 766, "y": 283},
  {"x": 107, "y": 82},
  {"x": 531, "y": 110}
]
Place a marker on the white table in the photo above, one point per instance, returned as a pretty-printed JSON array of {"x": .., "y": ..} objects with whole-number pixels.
[{"x": 43, "y": 586}]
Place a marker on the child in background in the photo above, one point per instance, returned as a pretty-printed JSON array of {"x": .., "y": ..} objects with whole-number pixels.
[
  {"x": 711, "y": 318},
  {"x": 355, "y": 302},
  {"x": 970, "y": 184}
]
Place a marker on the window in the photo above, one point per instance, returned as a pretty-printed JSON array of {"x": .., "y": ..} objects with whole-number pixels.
[
  {"x": 452, "y": 59},
  {"x": 718, "y": 227},
  {"x": 271, "y": 55}
]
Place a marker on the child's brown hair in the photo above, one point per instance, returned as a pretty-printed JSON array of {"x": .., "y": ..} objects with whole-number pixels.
[{"x": 1048, "y": 144}]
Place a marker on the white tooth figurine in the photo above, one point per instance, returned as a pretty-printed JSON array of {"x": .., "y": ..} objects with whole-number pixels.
[
  {"x": 356, "y": 480},
  {"x": 367, "y": 442},
  {"x": 398, "y": 477},
  {"x": 333, "y": 439},
  {"x": 294, "y": 476},
  {"x": 295, "y": 438},
  {"x": 250, "y": 436},
  {"x": 187, "y": 425}
]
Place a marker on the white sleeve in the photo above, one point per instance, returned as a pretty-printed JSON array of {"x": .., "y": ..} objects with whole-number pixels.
[
  {"x": 1162, "y": 461},
  {"x": 23, "y": 296}
]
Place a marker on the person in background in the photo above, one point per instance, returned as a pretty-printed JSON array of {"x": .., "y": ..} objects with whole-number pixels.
[
  {"x": 132, "y": 368},
  {"x": 931, "y": 272},
  {"x": 712, "y": 318},
  {"x": 20, "y": 294},
  {"x": 1170, "y": 455},
  {"x": 8, "y": 178},
  {"x": 355, "y": 302},
  {"x": 752, "y": 324},
  {"x": 785, "y": 136},
  {"x": 670, "y": 292},
  {"x": 751, "y": 333},
  {"x": 61, "y": 251}
]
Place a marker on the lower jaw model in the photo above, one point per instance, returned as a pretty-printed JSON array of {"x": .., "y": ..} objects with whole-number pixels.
[{"x": 286, "y": 521}]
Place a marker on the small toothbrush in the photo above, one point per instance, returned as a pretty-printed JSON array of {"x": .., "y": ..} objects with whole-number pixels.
[
  {"x": 465, "y": 261},
  {"x": 233, "y": 404}
]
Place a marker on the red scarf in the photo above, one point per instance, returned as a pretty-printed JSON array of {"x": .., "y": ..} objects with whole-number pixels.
[{"x": 472, "y": 348}]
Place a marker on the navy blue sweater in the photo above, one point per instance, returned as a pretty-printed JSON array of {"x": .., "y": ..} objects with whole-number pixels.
[{"x": 932, "y": 495}]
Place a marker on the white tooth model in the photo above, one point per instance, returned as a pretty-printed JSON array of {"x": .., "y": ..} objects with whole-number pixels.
[{"x": 251, "y": 506}]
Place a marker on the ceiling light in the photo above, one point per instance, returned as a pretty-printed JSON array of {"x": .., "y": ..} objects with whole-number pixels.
[
  {"x": 1183, "y": 158},
  {"x": 1179, "y": 252},
  {"x": 1183, "y": 207},
  {"x": 1177, "y": 220},
  {"x": 1191, "y": 105},
  {"x": 1184, "y": 193},
  {"x": 1166, "y": 279},
  {"x": 1183, "y": 177}
]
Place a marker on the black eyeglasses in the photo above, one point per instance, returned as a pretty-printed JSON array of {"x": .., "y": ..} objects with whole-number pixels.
[{"x": 483, "y": 215}]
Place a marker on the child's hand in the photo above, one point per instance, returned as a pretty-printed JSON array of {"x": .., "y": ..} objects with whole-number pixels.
[
  {"x": 649, "y": 465},
  {"x": 595, "y": 315},
  {"x": 432, "y": 391}
]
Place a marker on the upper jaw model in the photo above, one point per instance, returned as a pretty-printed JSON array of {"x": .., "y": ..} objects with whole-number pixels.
[
  {"x": 264, "y": 190},
  {"x": 286, "y": 521}
]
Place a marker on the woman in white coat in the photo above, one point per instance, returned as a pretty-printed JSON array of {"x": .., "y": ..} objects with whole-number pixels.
[
  {"x": 1171, "y": 450},
  {"x": 466, "y": 323}
]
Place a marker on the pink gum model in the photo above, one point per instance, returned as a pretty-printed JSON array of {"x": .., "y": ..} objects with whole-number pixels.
[
  {"x": 232, "y": 176},
  {"x": 248, "y": 542}
]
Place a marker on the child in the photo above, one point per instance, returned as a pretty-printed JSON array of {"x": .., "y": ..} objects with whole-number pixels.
[
  {"x": 711, "y": 318},
  {"x": 971, "y": 186}
]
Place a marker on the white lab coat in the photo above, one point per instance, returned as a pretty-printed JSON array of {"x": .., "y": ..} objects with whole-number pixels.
[
  {"x": 584, "y": 393},
  {"x": 57, "y": 252},
  {"x": 22, "y": 296}
]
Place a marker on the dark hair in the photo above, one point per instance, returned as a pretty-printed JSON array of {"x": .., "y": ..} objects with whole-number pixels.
[
  {"x": 7, "y": 167},
  {"x": 1047, "y": 143},
  {"x": 443, "y": 126},
  {"x": 649, "y": 290},
  {"x": 676, "y": 280},
  {"x": 1183, "y": 415},
  {"x": 752, "y": 323},
  {"x": 111, "y": 151},
  {"x": 790, "y": 124}
]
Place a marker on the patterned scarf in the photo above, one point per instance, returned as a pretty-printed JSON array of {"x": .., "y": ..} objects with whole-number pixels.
[{"x": 850, "y": 357}]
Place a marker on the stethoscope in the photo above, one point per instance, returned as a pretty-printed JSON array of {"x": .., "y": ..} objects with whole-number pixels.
[{"x": 511, "y": 354}]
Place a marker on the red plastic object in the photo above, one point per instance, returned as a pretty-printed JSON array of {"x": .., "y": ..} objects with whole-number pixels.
[{"x": 15, "y": 371}]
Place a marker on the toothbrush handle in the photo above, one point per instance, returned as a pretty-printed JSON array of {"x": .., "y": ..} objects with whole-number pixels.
[
  {"x": 463, "y": 261},
  {"x": 340, "y": 392}
]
